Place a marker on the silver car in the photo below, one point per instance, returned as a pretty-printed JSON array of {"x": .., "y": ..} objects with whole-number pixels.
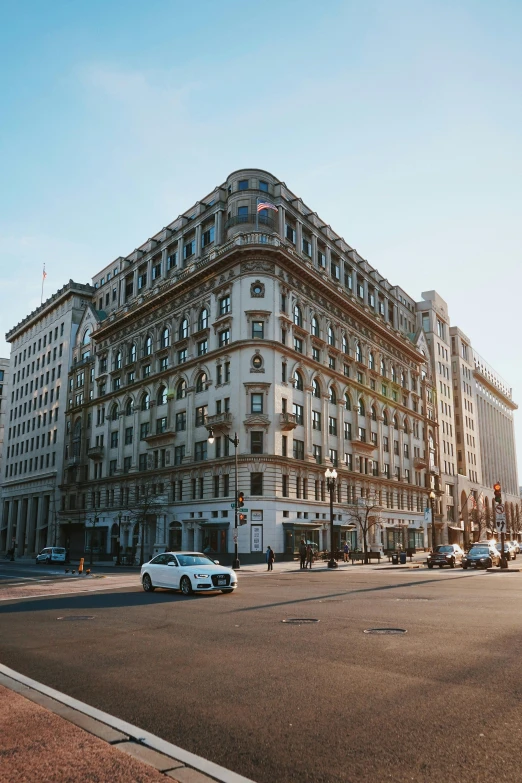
[
  {"x": 52, "y": 554},
  {"x": 190, "y": 572}
]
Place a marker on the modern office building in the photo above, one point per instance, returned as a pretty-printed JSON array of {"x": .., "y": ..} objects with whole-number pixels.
[
  {"x": 257, "y": 320},
  {"x": 32, "y": 462},
  {"x": 4, "y": 402}
]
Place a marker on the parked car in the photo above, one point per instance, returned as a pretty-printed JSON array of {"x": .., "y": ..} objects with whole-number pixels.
[
  {"x": 516, "y": 544},
  {"x": 481, "y": 556},
  {"x": 52, "y": 554},
  {"x": 445, "y": 554},
  {"x": 187, "y": 571},
  {"x": 511, "y": 553}
]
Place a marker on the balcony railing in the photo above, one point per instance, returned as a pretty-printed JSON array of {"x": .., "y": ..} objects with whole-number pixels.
[
  {"x": 252, "y": 218},
  {"x": 219, "y": 420},
  {"x": 288, "y": 421},
  {"x": 95, "y": 452}
]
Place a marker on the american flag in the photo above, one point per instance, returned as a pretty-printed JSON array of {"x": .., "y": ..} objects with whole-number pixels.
[
  {"x": 265, "y": 205},
  {"x": 44, "y": 275}
]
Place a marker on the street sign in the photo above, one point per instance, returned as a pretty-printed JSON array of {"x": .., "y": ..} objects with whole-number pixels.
[
  {"x": 500, "y": 517},
  {"x": 501, "y": 525}
]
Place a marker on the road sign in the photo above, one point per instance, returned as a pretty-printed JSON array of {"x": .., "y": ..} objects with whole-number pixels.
[
  {"x": 501, "y": 525},
  {"x": 500, "y": 509},
  {"x": 500, "y": 517}
]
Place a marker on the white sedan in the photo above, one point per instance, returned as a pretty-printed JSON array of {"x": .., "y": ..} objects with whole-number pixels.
[{"x": 187, "y": 571}]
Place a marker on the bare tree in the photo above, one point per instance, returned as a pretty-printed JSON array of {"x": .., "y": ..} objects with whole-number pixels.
[
  {"x": 480, "y": 521},
  {"x": 146, "y": 501},
  {"x": 365, "y": 514}
]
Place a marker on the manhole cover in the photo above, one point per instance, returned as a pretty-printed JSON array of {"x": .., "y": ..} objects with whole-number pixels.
[
  {"x": 385, "y": 630},
  {"x": 77, "y": 617},
  {"x": 300, "y": 620}
]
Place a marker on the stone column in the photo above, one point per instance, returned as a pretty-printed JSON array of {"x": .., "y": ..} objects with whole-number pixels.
[
  {"x": 218, "y": 231},
  {"x": 11, "y": 523},
  {"x": 308, "y": 423},
  {"x": 282, "y": 215},
  {"x": 181, "y": 260},
  {"x": 190, "y": 422},
  {"x": 136, "y": 439},
  {"x": 314, "y": 248},
  {"x": 324, "y": 428},
  {"x": 299, "y": 236},
  {"x": 198, "y": 241}
]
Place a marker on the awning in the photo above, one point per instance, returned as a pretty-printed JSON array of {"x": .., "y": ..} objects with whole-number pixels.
[{"x": 205, "y": 523}]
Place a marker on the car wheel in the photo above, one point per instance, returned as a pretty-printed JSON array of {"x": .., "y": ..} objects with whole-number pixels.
[
  {"x": 452, "y": 563},
  {"x": 147, "y": 584},
  {"x": 228, "y": 590},
  {"x": 430, "y": 565},
  {"x": 440, "y": 565},
  {"x": 185, "y": 586},
  {"x": 464, "y": 567}
]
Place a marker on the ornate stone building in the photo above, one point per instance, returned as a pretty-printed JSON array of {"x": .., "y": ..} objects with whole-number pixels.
[{"x": 261, "y": 323}]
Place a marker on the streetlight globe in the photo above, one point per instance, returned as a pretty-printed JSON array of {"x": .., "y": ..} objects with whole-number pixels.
[
  {"x": 333, "y": 474},
  {"x": 432, "y": 494},
  {"x": 328, "y": 473},
  {"x": 211, "y": 437}
]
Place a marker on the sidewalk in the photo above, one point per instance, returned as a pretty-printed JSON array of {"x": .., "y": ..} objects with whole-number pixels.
[{"x": 48, "y": 736}]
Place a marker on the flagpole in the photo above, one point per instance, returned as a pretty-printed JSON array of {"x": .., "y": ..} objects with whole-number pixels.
[
  {"x": 257, "y": 214},
  {"x": 44, "y": 275}
]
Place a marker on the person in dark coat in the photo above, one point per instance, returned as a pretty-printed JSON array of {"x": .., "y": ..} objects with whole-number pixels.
[
  {"x": 309, "y": 556},
  {"x": 302, "y": 554},
  {"x": 270, "y": 557}
]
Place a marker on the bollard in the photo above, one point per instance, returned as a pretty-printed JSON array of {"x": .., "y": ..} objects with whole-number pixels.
[{"x": 80, "y": 567}]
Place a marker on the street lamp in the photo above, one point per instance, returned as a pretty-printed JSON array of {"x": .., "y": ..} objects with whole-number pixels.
[
  {"x": 235, "y": 442},
  {"x": 330, "y": 476},
  {"x": 93, "y": 528},
  {"x": 433, "y": 535},
  {"x": 119, "y": 540}
]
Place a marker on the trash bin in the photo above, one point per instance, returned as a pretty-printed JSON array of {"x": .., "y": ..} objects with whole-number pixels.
[
  {"x": 395, "y": 558},
  {"x": 403, "y": 558}
]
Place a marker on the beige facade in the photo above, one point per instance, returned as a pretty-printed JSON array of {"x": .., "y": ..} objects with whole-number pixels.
[
  {"x": 34, "y": 429},
  {"x": 268, "y": 325},
  {"x": 4, "y": 403}
]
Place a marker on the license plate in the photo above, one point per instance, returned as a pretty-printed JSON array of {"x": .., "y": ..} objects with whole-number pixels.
[{"x": 222, "y": 581}]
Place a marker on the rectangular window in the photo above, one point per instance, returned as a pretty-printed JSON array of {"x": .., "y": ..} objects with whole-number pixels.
[
  {"x": 307, "y": 247},
  {"x": 128, "y": 435},
  {"x": 349, "y": 461},
  {"x": 142, "y": 462},
  {"x": 242, "y": 184},
  {"x": 114, "y": 440},
  {"x": 189, "y": 249},
  {"x": 290, "y": 233},
  {"x": 127, "y": 462},
  {"x": 256, "y": 442},
  {"x": 224, "y": 305},
  {"x": 263, "y": 186},
  {"x": 318, "y": 454},
  {"x": 224, "y": 337},
  {"x": 200, "y": 452},
  {"x": 181, "y": 421},
  {"x": 256, "y": 403},
  {"x": 201, "y": 415},
  {"x": 179, "y": 454},
  {"x": 172, "y": 260},
  {"x": 161, "y": 425},
  {"x": 333, "y": 457},
  {"x": 347, "y": 430},
  {"x": 144, "y": 430},
  {"x": 298, "y": 345},
  {"x": 284, "y": 446},
  {"x": 316, "y": 354},
  {"x": 298, "y": 413},
  {"x": 256, "y": 483},
  {"x": 182, "y": 356},
  {"x": 362, "y": 434},
  {"x": 298, "y": 450},
  {"x": 258, "y": 330},
  {"x": 202, "y": 347},
  {"x": 207, "y": 236},
  {"x": 316, "y": 421}
]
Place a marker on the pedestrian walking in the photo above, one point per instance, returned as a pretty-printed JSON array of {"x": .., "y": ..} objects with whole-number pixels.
[
  {"x": 270, "y": 557},
  {"x": 309, "y": 556},
  {"x": 302, "y": 553},
  {"x": 346, "y": 551}
]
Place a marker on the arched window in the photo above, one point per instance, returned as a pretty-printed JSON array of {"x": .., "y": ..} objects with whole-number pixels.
[
  {"x": 316, "y": 388},
  {"x": 406, "y": 426},
  {"x": 86, "y": 339},
  {"x": 114, "y": 412},
  {"x": 344, "y": 344},
  {"x": 395, "y": 423},
  {"x": 298, "y": 381},
  {"x": 360, "y": 407},
  {"x": 117, "y": 361},
  {"x": 374, "y": 413},
  {"x": 394, "y": 374},
  {"x": 298, "y": 316},
  {"x": 165, "y": 338},
  {"x": 132, "y": 353},
  {"x": 314, "y": 326},
  {"x": 203, "y": 319},
  {"x": 181, "y": 390},
  {"x": 147, "y": 347},
  {"x": 331, "y": 336},
  {"x": 201, "y": 382},
  {"x": 145, "y": 402},
  {"x": 383, "y": 368},
  {"x": 385, "y": 418},
  {"x": 347, "y": 402},
  {"x": 183, "y": 329},
  {"x": 332, "y": 396},
  {"x": 358, "y": 353},
  {"x": 371, "y": 361},
  {"x": 161, "y": 398},
  {"x": 129, "y": 407}
]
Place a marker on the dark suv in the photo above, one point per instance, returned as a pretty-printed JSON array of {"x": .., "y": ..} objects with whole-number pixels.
[{"x": 445, "y": 554}]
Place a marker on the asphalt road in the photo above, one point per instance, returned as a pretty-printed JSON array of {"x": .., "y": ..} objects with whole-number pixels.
[{"x": 224, "y": 676}]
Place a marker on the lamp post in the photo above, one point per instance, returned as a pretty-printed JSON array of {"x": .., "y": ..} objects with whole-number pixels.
[
  {"x": 119, "y": 541},
  {"x": 235, "y": 442},
  {"x": 330, "y": 476},
  {"x": 93, "y": 528},
  {"x": 432, "y": 507}
]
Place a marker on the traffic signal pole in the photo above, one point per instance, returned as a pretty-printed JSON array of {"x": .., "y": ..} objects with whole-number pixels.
[
  {"x": 235, "y": 565},
  {"x": 499, "y": 509}
]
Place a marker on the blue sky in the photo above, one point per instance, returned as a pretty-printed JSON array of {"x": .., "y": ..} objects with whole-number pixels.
[{"x": 398, "y": 122}]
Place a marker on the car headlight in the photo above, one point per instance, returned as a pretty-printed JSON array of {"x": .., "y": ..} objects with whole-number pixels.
[
  {"x": 429, "y": 557},
  {"x": 448, "y": 557},
  {"x": 483, "y": 559},
  {"x": 202, "y": 576}
]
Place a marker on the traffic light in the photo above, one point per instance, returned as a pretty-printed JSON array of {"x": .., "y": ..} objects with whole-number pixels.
[
  {"x": 497, "y": 489},
  {"x": 242, "y": 519},
  {"x": 241, "y": 499}
]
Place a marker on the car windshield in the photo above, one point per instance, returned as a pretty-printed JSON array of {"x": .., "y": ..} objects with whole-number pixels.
[
  {"x": 479, "y": 550},
  {"x": 444, "y": 549},
  {"x": 194, "y": 559}
]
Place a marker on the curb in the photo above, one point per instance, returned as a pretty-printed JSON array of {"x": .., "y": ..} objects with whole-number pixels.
[{"x": 118, "y": 733}]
